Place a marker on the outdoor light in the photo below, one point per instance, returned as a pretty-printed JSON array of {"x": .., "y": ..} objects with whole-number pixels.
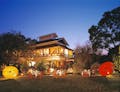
[
  {"x": 51, "y": 70},
  {"x": 55, "y": 58},
  {"x": 32, "y": 63},
  {"x": 10, "y": 72},
  {"x": 106, "y": 68}
]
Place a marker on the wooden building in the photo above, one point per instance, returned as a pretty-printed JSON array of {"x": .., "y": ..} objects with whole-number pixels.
[{"x": 52, "y": 51}]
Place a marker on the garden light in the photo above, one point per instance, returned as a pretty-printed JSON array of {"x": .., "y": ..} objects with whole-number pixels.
[
  {"x": 10, "y": 72},
  {"x": 106, "y": 68}
]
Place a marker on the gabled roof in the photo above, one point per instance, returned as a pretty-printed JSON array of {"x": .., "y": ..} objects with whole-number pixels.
[
  {"x": 60, "y": 40},
  {"x": 51, "y": 42}
]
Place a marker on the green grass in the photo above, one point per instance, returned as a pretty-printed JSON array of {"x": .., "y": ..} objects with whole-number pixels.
[{"x": 71, "y": 83}]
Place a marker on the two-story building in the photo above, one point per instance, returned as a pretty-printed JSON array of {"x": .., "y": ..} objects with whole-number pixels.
[{"x": 52, "y": 51}]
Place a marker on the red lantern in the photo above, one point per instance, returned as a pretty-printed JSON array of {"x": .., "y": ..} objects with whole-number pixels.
[{"x": 106, "y": 68}]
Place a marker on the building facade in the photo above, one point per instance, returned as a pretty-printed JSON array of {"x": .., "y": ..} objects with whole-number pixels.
[{"x": 51, "y": 51}]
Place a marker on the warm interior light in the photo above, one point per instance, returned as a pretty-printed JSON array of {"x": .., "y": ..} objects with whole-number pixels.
[
  {"x": 32, "y": 63},
  {"x": 10, "y": 72},
  {"x": 55, "y": 58},
  {"x": 51, "y": 70}
]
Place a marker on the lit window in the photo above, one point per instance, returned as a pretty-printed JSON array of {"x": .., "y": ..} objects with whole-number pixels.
[
  {"x": 46, "y": 51},
  {"x": 66, "y": 52},
  {"x": 61, "y": 50},
  {"x": 41, "y": 52}
]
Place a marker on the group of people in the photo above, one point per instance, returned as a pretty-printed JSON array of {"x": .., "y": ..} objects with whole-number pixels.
[
  {"x": 88, "y": 73},
  {"x": 34, "y": 73},
  {"x": 57, "y": 72}
]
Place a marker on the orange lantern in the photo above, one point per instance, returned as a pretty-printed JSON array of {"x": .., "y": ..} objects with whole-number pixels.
[{"x": 10, "y": 72}]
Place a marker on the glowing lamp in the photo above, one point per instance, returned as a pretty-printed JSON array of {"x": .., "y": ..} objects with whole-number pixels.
[
  {"x": 106, "y": 68},
  {"x": 10, "y": 72}
]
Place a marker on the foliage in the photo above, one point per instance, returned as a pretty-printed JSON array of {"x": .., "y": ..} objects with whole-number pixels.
[
  {"x": 83, "y": 56},
  {"x": 107, "y": 33},
  {"x": 10, "y": 44},
  {"x": 13, "y": 45},
  {"x": 41, "y": 66},
  {"x": 31, "y": 41},
  {"x": 116, "y": 57}
]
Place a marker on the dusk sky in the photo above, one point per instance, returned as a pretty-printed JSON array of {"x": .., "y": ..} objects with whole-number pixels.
[{"x": 70, "y": 19}]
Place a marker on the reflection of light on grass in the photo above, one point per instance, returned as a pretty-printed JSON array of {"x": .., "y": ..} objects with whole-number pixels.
[
  {"x": 110, "y": 76},
  {"x": 10, "y": 72}
]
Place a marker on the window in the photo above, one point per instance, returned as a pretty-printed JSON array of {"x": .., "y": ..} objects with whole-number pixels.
[
  {"x": 46, "y": 52},
  {"x": 66, "y": 52},
  {"x": 41, "y": 52}
]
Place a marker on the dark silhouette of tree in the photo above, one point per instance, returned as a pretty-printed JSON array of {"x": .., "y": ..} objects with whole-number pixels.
[
  {"x": 30, "y": 41},
  {"x": 107, "y": 33},
  {"x": 115, "y": 52},
  {"x": 10, "y": 44}
]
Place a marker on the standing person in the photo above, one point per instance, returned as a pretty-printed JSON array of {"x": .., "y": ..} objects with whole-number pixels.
[
  {"x": 93, "y": 73},
  {"x": 36, "y": 72}
]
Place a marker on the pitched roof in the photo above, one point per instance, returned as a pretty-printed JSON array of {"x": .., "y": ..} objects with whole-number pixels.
[
  {"x": 51, "y": 42},
  {"x": 60, "y": 40},
  {"x": 48, "y": 36}
]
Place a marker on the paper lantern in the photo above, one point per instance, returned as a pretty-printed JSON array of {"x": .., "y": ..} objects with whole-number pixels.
[
  {"x": 106, "y": 68},
  {"x": 10, "y": 72}
]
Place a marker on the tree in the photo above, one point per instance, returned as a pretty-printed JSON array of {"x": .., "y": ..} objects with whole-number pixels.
[
  {"x": 107, "y": 33},
  {"x": 116, "y": 57},
  {"x": 83, "y": 57},
  {"x": 41, "y": 66},
  {"x": 10, "y": 44}
]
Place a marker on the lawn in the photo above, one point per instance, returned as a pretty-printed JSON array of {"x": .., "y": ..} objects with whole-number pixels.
[{"x": 71, "y": 83}]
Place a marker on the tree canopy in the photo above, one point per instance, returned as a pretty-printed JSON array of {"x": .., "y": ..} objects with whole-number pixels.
[
  {"x": 10, "y": 44},
  {"x": 106, "y": 34},
  {"x": 83, "y": 56},
  {"x": 12, "y": 41}
]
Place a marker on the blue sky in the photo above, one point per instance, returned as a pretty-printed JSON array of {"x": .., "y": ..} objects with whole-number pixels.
[{"x": 70, "y": 19}]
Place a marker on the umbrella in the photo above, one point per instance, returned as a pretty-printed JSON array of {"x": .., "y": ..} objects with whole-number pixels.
[{"x": 106, "y": 68}]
